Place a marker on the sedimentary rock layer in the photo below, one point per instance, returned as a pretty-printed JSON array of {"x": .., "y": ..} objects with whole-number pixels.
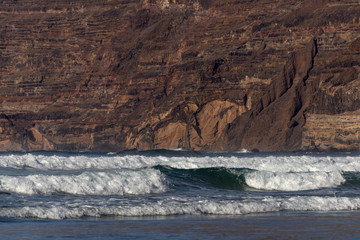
[{"x": 202, "y": 75}]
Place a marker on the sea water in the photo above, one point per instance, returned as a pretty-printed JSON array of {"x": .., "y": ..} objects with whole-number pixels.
[{"x": 179, "y": 194}]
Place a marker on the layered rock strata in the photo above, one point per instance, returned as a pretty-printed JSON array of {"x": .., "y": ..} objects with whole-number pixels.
[{"x": 201, "y": 75}]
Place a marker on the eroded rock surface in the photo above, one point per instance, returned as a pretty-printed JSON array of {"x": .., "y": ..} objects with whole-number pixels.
[{"x": 204, "y": 75}]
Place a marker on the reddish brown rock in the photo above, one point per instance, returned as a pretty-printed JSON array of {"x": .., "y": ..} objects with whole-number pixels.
[
  {"x": 204, "y": 75},
  {"x": 339, "y": 132},
  {"x": 210, "y": 123},
  {"x": 36, "y": 141},
  {"x": 170, "y": 136}
]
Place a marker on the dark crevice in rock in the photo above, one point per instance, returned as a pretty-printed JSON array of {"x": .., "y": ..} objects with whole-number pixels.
[{"x": 279, "y": 110}]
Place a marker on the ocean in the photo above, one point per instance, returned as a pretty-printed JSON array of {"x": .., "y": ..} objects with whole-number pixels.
[{"x": 179, "y": 195}]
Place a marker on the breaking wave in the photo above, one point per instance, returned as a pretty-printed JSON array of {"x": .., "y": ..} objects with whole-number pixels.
[
  {"x": 161, "y": 179},
  {"x": 247, "y": 179},
  {"x": 119, "y": 182},
  {"x": 164, "y": 183},
  {"x": 183, "y": 160},
  {"x": 293, "y": 181},
  {"x": 173, "y": 206}
]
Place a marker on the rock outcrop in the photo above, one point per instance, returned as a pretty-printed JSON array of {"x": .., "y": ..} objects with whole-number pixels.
[{"x": 203, "y": 75}]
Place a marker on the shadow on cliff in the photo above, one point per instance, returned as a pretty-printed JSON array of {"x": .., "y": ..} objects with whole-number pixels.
[{"x": 276, "y": 120}]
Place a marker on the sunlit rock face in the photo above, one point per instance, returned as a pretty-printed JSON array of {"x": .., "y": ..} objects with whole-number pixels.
[{"x": 92, "y": 75}]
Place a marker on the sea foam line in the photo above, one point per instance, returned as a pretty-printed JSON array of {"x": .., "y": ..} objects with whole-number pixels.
[{"x": 189, "y": 207}]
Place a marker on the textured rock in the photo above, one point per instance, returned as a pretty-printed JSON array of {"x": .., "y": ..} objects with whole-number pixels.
[
  {"x": 210, "y": 123},
  {"x": 277, "y": 120},
  {"x": 339, "y": 132},
  {"x": 171, "y": 136},
  {"x": 204, "y": 75}
]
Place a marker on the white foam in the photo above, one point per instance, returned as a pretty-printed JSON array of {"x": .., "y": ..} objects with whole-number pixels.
[
  {"x": 293, "y": 181},
  {"x": 121, "y": 182},
  {"x": 168, "y": 207},
  {"x": 274, "y": 163}
]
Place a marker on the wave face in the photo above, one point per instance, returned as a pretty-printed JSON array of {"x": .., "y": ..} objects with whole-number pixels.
[{"x": 135, "y": 184}]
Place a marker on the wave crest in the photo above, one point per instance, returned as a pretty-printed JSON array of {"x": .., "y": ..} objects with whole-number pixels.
[
  {"x": 289, "y": 181},
  {"x": 121, "y": 182}
]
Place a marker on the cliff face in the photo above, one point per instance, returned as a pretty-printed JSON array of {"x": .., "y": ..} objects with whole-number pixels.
[{"x": 203, "y": 75}]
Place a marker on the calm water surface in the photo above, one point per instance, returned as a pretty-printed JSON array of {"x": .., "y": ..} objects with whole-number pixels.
[{"x": 343, "y": 225}]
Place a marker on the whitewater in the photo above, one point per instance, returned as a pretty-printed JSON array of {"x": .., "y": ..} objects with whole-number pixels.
[{"x": 165, "y": 183}]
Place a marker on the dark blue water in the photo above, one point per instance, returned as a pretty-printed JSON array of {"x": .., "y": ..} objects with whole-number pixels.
[{"x": 178, "y": 194}]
